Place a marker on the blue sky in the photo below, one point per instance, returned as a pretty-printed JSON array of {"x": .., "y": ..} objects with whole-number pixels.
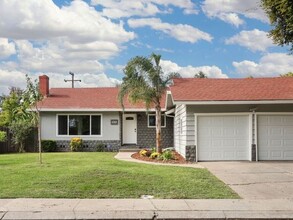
[{"x": 96, "y": 38}]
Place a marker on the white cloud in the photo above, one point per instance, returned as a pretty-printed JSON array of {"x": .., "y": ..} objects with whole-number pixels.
[
  {"x": 272, "y": 64},
  {"x": 87, "y": 80},
  {"x": 6, "y": 48},
  {"x": 11, "y": 79},
  {"x": 47, "y": 38},
  {"x": 143, "y": 8},
  {"x": 181, "y": 32},
  {"x": 230, "y": 11},
  {"x": 39, "y": 20},
  {"x": 17, "y": 79},
  {"x": 254, "y": 40},
  {"x": 60, "y": 57},
  {"x": 189, "y": 71}
]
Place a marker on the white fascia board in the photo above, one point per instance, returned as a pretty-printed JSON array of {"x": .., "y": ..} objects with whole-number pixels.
[
  {"x": 170, "y": 111},
  {"x": 94, "y": 110},
  {"x": 232, "y": 102}
]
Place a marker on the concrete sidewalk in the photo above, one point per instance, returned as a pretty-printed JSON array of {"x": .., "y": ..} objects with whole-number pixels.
[{"x": 145, "y": 209}]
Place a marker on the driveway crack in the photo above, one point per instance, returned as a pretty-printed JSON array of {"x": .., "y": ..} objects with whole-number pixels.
[
  {"x": 3, "y": 215},
  {"x": 255, "y": 183}
]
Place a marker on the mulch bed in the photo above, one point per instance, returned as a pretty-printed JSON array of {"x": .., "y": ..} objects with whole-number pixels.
[{"x": 178, "y": 159}]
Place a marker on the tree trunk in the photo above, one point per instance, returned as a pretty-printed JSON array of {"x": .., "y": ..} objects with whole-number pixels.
[
  {"x": 158, "y": 129},
  {"x": 39, "y": 138},
  {"x": 21, "y": 148}
]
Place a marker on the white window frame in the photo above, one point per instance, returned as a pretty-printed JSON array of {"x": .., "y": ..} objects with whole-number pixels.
[
  {"x": 161, "y": 121},
  {"x": 68, "y": 135}
]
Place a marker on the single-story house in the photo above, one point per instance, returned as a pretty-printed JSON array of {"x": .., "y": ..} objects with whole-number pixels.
[
  {"x": 247, "y": 119},
  {"x": 96, "y": 116}
]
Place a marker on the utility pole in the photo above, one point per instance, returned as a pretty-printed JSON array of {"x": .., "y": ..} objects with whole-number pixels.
[{"x": 72, "y": 80}]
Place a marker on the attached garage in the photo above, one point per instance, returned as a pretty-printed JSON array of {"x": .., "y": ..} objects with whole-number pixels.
[
  {"x": 222, "y": 137},
  {"x": 275, "y": 137}
]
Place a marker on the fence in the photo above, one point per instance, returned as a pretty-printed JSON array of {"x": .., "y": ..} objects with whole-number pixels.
[{"x": 30, "y": 144}]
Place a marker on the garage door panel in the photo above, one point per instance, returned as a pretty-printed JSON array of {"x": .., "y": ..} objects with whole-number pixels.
[
  {"x": 275, "y": 137},
  {"x": 223, "y": 138}
]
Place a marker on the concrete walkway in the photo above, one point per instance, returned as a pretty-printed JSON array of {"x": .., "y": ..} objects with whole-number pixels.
[
  {"x": 144, "y": 209},
  {"x": 126, "y": 156}
]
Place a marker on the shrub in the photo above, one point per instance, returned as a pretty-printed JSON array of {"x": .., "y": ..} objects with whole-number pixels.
[
  {"x": 49, "y": 146},
  {"x": 76, "y": 144},
  {"x": 145, "y": 153},
  {"x": 167, "y": 155},
  {"x": 100, "y": 147},
  {"x": 155, "y": 155},
  {"x": 3, "y": 136}
]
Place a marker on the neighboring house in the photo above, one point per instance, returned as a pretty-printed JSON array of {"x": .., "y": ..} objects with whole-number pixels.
[
  {"x": 95, "y": 115},
  {"x": 214, "y": 119},
  {"x": 233, "y": 119}
]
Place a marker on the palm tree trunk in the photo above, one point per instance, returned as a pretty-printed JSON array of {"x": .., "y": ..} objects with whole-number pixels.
[{"x": 158, "y": 129}]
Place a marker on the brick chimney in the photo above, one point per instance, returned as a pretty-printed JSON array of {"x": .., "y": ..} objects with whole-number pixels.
[{"x": 44, "y": 85}]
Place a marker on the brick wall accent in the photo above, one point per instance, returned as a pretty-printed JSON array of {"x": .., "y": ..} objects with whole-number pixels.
[
  {"x": 89, "y": 145},
  {"x": 146, "y": 137},
  {"x": 190, "y": 153}
]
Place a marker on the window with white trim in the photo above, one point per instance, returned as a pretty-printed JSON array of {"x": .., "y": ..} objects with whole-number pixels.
[
  {"x": 73, "y": 125},
  {"x": 152, "y": 121}
]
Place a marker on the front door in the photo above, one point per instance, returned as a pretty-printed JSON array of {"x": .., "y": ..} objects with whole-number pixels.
[{"x": 129, "y": 129}]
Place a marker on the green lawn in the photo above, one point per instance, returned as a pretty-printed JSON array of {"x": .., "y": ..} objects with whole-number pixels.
[{"x": 99, "y": 175}]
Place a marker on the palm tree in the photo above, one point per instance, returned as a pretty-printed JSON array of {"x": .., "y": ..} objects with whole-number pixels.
[{"x": 146, "y": 82}]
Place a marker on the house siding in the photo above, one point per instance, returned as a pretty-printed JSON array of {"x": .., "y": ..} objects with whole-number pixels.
[
  {"x": 109, "y": 132},
  {"x": 146, "y": 137},
  {"x": 180, "y": 129}
]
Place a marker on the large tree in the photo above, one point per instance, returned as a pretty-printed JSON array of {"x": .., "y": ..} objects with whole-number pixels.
[
  {"x": 200, "y": 74},
  {"x": 289, "y": 74},
  {"x": 280, "y": 13},
  {"x": 17, "y": 113},
  {"x": 146, "y": 82}
]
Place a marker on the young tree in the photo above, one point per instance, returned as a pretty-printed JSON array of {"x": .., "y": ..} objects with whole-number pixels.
[
  {"x": 146, "y": 82},
  {"x": 280, "y": 15},
  {"x": 32, "y": 97},
  {"x": 200, "y": 74}
]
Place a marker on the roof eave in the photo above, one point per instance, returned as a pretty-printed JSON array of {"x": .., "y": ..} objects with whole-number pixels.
[{"x": 227, "y": 102}]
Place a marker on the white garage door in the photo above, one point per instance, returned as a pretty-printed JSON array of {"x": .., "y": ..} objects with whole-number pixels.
[
  {"x": 223, "y": 137},
  {"x": 275, "y": 137}
]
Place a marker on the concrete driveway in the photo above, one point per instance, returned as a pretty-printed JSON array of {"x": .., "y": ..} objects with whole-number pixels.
[{"x": 256, "y": 180}]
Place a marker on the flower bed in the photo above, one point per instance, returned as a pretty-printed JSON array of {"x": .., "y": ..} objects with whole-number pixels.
[{"x": 148, "y": 155}]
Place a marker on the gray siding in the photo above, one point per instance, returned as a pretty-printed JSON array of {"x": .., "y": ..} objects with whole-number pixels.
[
  {"x": 109, "y": 132},
  {"x": 146, "y": 137},
  {"x": 180, "y": 129}
]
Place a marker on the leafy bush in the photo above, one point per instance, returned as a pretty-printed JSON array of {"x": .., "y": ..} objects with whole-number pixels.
[
  {"x": 100, "y": 147},
  {"x": 3, "y": 136},
  {"x": 155, "y": 155},
  {"x": 76, "y": 144},
  {"x": 145, "y": 153},
  {"x": 167, "y": 155},
  {"x": 49, "y": 146}
]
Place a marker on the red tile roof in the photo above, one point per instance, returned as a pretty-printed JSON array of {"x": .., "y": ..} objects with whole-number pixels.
[
  {"x": 87, "y": 98},
  {"x": 247, "y": 89}
]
